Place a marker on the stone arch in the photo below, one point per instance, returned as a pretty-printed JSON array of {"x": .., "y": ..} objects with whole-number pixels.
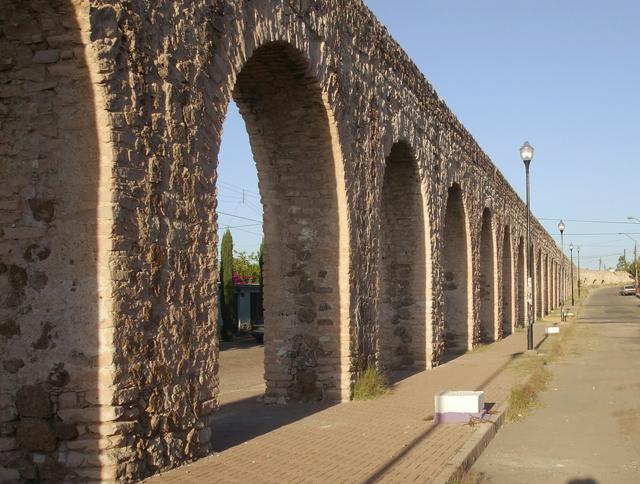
[
  {"x": 537, "y": 285},
  {"x": 522, "y": 284},
  {"x": 487, "y": 312},
  {"x": 556, "y": 283},
  {"x": 294, "y": 142},
  {"x": 457, "y": 274},
  {"x": 403, "y": 263},
  {"x": 507, "y": 283},
  {"x": 547, "y": 285},
  {"x": 56, "y": 237}
]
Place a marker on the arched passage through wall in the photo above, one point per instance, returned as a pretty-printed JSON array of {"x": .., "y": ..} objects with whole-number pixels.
[
  {"x": 294, "y": 145},
  {"x": 403, "y": 264},
  {"x": 522, "y": 288},
  {"x": 507, "y": 283},
  {"x": 487, "y": 279},
  {"x": 547, "y": 284},
  {"x": 538, "y": 283},
  {"x": 456, "y": 282}
]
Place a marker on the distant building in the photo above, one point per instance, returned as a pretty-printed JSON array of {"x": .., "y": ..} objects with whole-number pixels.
[{"x": 248, "y": 302}]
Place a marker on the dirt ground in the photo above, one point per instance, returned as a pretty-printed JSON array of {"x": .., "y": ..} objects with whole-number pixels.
[{"x": 587, "y": 428}]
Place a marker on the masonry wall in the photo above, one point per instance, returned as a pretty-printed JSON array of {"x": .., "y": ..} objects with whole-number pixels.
[
  {"x": 403, "y": 264},
  {"x": 590, "y": 277},
  {"x": 54, "y": 247},
  {"x": 111, "y": 116}
]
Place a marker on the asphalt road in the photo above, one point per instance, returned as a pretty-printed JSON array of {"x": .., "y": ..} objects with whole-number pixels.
[{"x": 588, "y": 427}]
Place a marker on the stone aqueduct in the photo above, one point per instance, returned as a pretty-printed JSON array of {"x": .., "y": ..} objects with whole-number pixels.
[{"x": 390, "y": 236}]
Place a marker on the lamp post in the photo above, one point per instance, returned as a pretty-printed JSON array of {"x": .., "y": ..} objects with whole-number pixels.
[
  {"x": 526, "y": 153},
  {"x": 561, "y": 228},
  {"x": 635, "y": 256},
  {"x": 578, "y": 272},
  {"x": 571, "y": 252}
]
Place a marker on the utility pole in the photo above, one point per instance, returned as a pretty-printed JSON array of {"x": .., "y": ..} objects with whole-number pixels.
[
  {"x": 573, "y": 303},
  {"x": 635, "y": 256},
  {"x": 578, "y": 272},
  {"x": 635, "y": 261}
]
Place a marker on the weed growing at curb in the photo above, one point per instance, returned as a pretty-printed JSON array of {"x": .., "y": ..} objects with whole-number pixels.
[
  {"x": 524, "y": 396},
  {"x": 369, "y": 385}
]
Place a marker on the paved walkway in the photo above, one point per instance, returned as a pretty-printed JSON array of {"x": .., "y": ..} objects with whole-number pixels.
[
  {"x": 391, "y": 439},
  {"x": 588, "y": 429}
]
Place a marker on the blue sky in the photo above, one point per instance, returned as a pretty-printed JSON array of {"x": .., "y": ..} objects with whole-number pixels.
[{"x": 564, "y": 75}]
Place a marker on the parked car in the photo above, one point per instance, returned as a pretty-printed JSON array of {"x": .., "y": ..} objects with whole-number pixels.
[{"x": 628, "y": 290}]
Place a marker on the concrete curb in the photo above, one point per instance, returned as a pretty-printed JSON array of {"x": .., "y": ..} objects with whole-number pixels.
[{"x": 462, "y": 461}]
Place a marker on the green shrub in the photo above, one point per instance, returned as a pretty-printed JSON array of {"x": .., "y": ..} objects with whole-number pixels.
[{"x": 369, "y": 384}]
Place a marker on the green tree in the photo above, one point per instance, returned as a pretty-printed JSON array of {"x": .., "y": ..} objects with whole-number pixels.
[
  {"x": 246, "y": 267},
  {"x": 623, "y": 265},
  {"x": 227, "y": 292},
  {"x": 261, "y": 279},
  {"x": 260, "y": 261},
  {"x": 631, "y": 268}
]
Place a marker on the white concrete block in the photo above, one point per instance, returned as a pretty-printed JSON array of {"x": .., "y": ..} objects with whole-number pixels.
[
  {"x": 459, "y": 402},
  {"x": 552, "y": 330}
]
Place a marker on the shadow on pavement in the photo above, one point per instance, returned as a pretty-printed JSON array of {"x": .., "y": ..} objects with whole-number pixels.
[
  {"x": 500, "y": 369},
  {"x": 397, "y": 376},
  {"x": 582, "y": 480},
  {"x": 241, "y": 341},
  {"x": 451, "y": 355},
  {"x": 243, "y": 420},
  {"x": 541, "y": 341}
]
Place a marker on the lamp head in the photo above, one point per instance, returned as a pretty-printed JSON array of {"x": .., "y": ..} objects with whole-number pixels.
[
  {"x": 526, "y": 152},
  {"x": 571, "y": 246},
  {"x": 561, "y": 226}
]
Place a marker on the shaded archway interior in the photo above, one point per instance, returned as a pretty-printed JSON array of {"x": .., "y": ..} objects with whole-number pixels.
[
  {"x": 507, "y": 283},
  {"x": 537, "y": 285},
  {"x": 487, "y": 279},
  {"x": 454, "y": 261},
  {"x": 288, "y": 126},
  {"x": 402, "y": 264},
  {"x": 522, "y": 289}
]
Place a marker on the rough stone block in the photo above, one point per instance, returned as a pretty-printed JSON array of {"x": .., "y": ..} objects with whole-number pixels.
[
  {"x": 67, "y": 400},
  {"x": 65, "y": 431},
  {"x": 35, "y": 435},
  {"x": 33, "y": 401},
  {"x": 7, "y": 444},
  {"x": 46, "y": 56},
  {"x": 9, "y": 475}
]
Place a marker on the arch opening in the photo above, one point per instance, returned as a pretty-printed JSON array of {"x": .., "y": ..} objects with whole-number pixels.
[
  {"x": 402, "y": 264},
  {"x": 537, "y": 285},
  {"x": 299, "y": 175},
  {"x": 507, "y": 284},
  {"x": 547, "y": 284},
  {"x": 456, "y": 274},
  {"x": 488, "y": 328},
  {"x": 522, "y": 289}
]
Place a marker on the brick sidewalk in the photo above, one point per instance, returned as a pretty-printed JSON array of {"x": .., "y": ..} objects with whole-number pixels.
[{"x": 391, "y": 439}]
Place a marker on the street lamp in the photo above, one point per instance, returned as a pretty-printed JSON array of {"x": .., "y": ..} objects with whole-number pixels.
[
  {"x": 526, "y": 153},
  {"x": 571, "y": 252},
  {"x": 561, "y": 227},
  {"x": 635, "y": 253},
  {"x": 578, "y": 272}
]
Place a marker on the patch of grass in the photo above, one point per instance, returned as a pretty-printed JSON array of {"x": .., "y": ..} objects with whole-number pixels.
[
  {"x": 524, "y": 397},
  {"x": 369, "y": 384},
  {"x": 481, "y": 347}
]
